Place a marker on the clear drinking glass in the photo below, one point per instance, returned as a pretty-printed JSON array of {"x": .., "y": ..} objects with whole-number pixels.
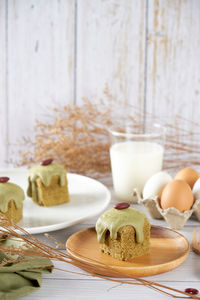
[{"x": 135, "y": 154}]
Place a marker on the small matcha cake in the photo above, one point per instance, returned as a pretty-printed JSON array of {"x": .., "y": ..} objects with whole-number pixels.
[
  {"x": 47, "y": 184},
  {"x": 11, "y": 200},
  {"x": 123, "y": 233}
]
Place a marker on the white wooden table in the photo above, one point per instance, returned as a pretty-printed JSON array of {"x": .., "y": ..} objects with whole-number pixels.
[{"x": 62, "y": 285}]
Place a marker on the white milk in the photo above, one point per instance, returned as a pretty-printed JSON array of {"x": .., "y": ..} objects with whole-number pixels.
[{"x": 132, "y": 164}]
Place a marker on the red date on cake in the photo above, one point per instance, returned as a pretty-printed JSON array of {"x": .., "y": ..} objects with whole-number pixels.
[
  {"x": 122, "y": 205},
  {"x": 4, "y": 179},
  {"x": 191, "y": 291},
  {"x": 47, "y": 162}
]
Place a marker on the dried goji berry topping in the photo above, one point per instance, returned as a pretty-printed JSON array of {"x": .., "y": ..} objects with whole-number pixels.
[
  {"x": 46, "y": 162},
  {"x": 191, "y": 291},
  {"x": 4, "y": 179},
  {"x": 122, "y": 205}
]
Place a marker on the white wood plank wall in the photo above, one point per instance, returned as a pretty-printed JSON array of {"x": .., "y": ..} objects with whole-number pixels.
[
  {"x": 173, "y": 58},
  {"x": 55, "y": 52},
  {"x": 3, "y": 83},
  {"x": 111, "y": 48}
]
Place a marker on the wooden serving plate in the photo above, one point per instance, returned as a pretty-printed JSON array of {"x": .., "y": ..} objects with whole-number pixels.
[{"x": 168, "y": 250}]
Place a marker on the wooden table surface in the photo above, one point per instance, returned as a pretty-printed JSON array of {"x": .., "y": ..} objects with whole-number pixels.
[{"x": 63, "y": 285}]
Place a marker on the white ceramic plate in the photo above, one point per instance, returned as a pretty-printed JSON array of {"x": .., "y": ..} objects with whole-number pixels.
[{"x": 88, "y": 197}]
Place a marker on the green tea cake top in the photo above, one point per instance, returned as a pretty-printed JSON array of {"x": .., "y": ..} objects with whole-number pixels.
[
  {"x": 113, "y": 219},
  {"x": 10, "y": 191},
  {"x": 45, "y": 173}
]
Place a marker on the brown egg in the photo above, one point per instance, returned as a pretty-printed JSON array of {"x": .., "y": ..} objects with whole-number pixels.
[
  {"x": 178, "y": 194},
  {"x": 189, "y": 175}
]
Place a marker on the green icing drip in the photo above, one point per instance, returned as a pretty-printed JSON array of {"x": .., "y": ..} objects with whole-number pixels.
[
  {"x": 113, "y": 219},
  {"x": 10, "y": 191},
  {"x": 45, "y": 173}
]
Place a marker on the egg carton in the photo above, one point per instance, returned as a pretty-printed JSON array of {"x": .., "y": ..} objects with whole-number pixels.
[
  {"x": 174, "y": 218},
  {"x": 150, "y": 200}
]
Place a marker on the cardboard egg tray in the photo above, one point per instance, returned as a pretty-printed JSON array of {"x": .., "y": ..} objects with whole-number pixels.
[{"x": 174, "y": 218}]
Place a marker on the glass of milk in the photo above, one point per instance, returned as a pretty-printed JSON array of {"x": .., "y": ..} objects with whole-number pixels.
[{"x": 135, "y": 155}]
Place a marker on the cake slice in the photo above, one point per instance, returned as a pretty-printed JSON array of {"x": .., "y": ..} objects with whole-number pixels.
[
  {"x": 48, "y": 184},
  {"x": 11, "y": 200},
  {"x": 123, "y": 233}
]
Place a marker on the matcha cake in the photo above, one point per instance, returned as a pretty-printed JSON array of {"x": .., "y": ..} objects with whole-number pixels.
[
  {"x": 123, "y": 232},
  {"x": 47, "y": 184},
  {"x": 11, "y": 200}
]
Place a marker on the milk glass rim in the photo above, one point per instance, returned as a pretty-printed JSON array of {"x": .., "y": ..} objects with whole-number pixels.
[{"x": 140, "y": 135}]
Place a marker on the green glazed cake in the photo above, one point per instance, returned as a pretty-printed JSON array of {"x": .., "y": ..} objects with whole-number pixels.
[
  {"x": 47, "y": 184},
  {"x": 11, "y": 200},
  {"x": 123, "y": 233}
]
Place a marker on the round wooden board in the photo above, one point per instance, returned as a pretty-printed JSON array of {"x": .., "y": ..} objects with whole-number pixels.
[{"x": 168, "y": 250}]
